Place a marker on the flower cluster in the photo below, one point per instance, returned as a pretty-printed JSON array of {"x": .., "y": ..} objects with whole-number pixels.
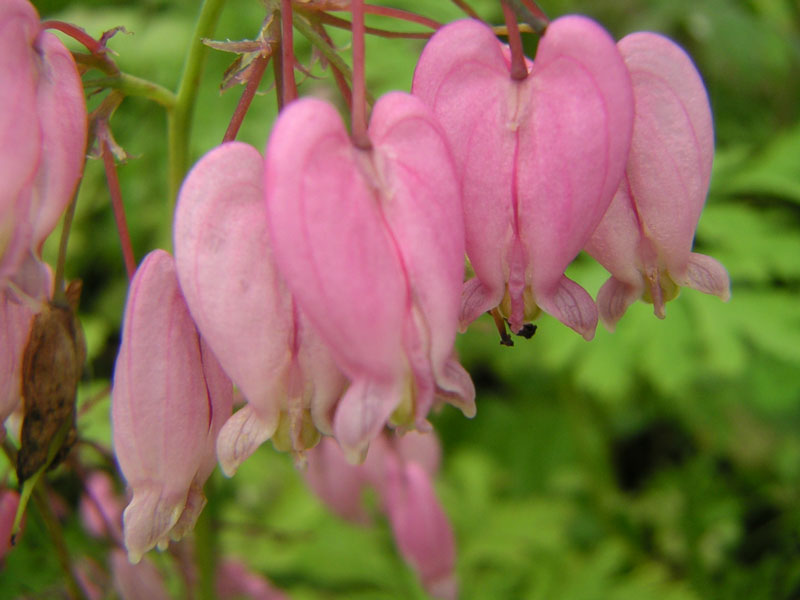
[{"x": 325, "y": 279}]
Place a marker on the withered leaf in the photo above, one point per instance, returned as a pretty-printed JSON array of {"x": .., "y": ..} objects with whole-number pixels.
[{"x": 51, "y": 369}]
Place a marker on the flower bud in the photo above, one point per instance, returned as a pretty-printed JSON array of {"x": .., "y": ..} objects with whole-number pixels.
[{"x": 168, "y": 400}]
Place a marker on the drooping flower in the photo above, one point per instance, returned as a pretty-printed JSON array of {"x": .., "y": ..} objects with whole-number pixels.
[
  {"x": 235, "y": 580},
  {"x": 538, "y": 158},
  {"x": 421, "y": 528},
  {"x": 370, "y": 242},
  {"x": 401, "y": 469},
  {"x": 42, "y": 134},
  {"x": 244, "y": 311},
  {"x": 645, "y": 239},
  {"x": 169, "y": 399},
  {"x": 100, "y": 507},
  {"x": 136, "y": 581}
]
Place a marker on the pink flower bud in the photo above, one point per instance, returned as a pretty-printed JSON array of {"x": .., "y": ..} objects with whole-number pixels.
[
  {"x": 370, "y": 243},
  {"x": 339, "y": 484},
  {"x": 645, "y": 238},
  {"x": 401, "y": 469},
  {"x": 169, "y": 398},
  {"x": 101, "y": 507},
  {"x": 421, "y": 529},
  {"x": 42, "y": 132},
  {"x": 140, "y": 581},
  {"x": 242, "y": 307},
  {"x": 235, "y": 581},
  {"x": 539, "y": 159}
]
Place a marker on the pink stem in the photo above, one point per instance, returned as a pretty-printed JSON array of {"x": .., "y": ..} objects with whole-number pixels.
[
  {"x": 345, "y": 24},
  {"x": 118, "y": 208},
  {"x": 359, "y": 111},
  {"x": 287, "y": 52},
  {"x": 277, "y": 70},
  {"x": 468, "y": 10},
  {"x": 535, "y": 10},
  {"x": 247, "y": 97},
  {"x": 402, "y": 15},
  {"x": 519, "y": 70},
  {"x": 92, "y": 45}
]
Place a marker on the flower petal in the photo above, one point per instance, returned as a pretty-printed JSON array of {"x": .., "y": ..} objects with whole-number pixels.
[{"x": 329, "y": 239}]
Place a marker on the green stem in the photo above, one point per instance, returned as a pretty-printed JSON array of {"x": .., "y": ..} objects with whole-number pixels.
[
  {"x": 131, "y": 85},
  {"x": 206, "y": 545},
  {"x": 179, "y": 118},
  {"x": 58, "y": 282},
  {"x": 57, "y": 536}
]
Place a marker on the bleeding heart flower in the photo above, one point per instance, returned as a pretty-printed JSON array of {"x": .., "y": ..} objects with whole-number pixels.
[
  {"x": 538, "y": 158},
  {"x": 645, "y": 238},
  {"x": 142, "y": 580},
  {"x": 244, "y": 311},
  {"x": 170, "y": 398},
  {"x": 370, "y": 243},
  {"x": 401, "y": 469},
  {"x": 42, "y": 133}
]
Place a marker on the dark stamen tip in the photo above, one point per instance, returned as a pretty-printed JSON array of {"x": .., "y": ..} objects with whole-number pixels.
[{"x": 527, "y": 331}]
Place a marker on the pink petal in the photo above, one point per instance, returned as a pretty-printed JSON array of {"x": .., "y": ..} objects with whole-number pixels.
[
  {"x": 463, "y": 76},
  {"x": 100, "y": 507},
  {"x": 20, "y": 141},
  {"x": 673, "y": 143},
  {"x": 614, "y": 298},
  {"x": 337, "y": 482},
  {"x": 707, "y": 275},
  {"x": 329, "y": 240},
  {"x": 421, "y": 528},
  {"x": 244, "y": 432},
  {"x": 161, "y": 411},
  {"x": 62, "y": 115},
  {"x": 226, "y": 271},
  {"x": 539, "y": 159},
  {"x": 235, "y": 581},
  {"x": 140, "y": 581},
  {"x": 363, "y": 412},
  {"x": 20, "y": 137},
  {"x": 645, "y": 238},
  {"x": 422, "y": 208},
  {"x": 574, "y": 140}
]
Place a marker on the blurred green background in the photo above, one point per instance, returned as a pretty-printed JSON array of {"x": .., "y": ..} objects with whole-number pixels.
[{"x": 661, "y": 461}]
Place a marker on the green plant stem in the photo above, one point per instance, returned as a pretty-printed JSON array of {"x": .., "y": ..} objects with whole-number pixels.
[
  {"x": 180, "y": 116},
  {"x": 57, "y": 536},
  {"x": 206, "y": 545},
  {"x": 58, "y": 282},
  {"x": 131, "y": 85}
]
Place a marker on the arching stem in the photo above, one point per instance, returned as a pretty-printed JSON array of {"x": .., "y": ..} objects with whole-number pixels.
[
  {"x": 359, "y": 112},
  {"x": 249, "y": 92},
  {"x": 519, "y": 70},
  {"x": 287, "y": 53},
  {"x": 118, "y": 208}
]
